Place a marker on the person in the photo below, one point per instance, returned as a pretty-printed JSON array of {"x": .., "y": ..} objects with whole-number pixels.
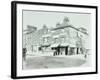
[
  {"x": 85, "y": 55},
  {"x": 58, "y": 50},
  {"x": 55, "y": 53},
  {"x": 24, "y": 53}
]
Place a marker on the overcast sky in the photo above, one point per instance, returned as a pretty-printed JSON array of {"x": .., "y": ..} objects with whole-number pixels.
[{"x": 39, "y": 18}]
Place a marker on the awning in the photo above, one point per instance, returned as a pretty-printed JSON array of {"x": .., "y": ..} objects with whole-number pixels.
[
  {"x": 54, "y": 45},
  {"x": 64, "y": 44},
  {"x": 45, "y": 45}
]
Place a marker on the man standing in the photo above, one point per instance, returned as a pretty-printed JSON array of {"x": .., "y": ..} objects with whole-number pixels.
[{"x": 24, "y": 53}]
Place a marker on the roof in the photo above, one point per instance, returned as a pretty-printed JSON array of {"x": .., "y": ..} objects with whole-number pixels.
[{"x": 69, "y": 26}]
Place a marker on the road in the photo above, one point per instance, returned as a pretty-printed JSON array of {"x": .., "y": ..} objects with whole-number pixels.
[{"x": 38, "y": 62}]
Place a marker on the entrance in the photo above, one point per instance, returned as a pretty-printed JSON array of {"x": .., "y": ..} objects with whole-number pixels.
[
  {"x": 71, "y": 52},
  {"x": 66, "y": 50}
]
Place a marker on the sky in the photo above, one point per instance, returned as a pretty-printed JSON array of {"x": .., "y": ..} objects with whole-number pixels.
[{"x": 39, "y": 18}]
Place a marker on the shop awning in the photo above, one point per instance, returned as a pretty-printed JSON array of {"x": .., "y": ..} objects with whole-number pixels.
[
  {"x": 64, "y": 44},
  {"x": 54, "y": 45},
  {"x": 45, "y": 45}
]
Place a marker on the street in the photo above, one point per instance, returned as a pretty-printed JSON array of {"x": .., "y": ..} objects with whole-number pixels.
[{"x": 38, "y": 62}]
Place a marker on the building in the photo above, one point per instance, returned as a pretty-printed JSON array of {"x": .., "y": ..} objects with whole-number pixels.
[
  {"x": 69, "y": 39},
  {"x": 28, "y": 35},
  {"x": 64, "y": 39}
]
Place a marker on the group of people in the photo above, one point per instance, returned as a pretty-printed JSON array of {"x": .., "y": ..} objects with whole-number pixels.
[{"x": 57, "y": 51}]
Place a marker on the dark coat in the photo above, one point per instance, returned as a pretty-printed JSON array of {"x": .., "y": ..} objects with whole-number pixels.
[{"x": 24, "y": 52}]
